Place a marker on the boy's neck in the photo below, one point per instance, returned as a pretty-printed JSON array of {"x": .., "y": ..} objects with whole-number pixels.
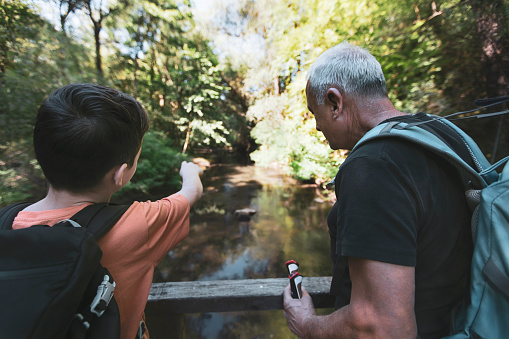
[{"x": 57, "y": 199}]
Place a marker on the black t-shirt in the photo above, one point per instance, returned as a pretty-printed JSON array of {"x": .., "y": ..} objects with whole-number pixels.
[{"x": 400, "y": 204}]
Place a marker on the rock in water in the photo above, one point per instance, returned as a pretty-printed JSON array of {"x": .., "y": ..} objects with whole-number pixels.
[{"x": 244, "y": 214}]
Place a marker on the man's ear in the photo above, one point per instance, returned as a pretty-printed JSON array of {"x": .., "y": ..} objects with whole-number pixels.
[
  {"x": 118, "y": 175},
  {"x": 334, "y": 98}
]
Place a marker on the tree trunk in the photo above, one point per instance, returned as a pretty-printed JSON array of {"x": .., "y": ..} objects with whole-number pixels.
[
  {"x": 277, "y": 87},
  {"x": 491, "y": 26},
  {"x": 492, "y": 30},
  {"x": 188, "y": 135},
  {"x": 98, "y": 59},
  {"x": 135, "y": 76},
  {"x": 63, "y": 18},
  {"x": 97, "y": 32}
]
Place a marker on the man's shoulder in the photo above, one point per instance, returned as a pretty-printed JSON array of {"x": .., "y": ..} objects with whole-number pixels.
[
  {"x": 378, "y": 145},
  {"x": 393, "y": 150},
  {"x": 397, "y": 148}
]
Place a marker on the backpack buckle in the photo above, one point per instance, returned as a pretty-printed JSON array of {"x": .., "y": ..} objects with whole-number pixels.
[{"x": 103, "y": 296}]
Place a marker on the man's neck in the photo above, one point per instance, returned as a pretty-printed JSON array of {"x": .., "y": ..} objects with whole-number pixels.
[{"x": 373, "y": 112}]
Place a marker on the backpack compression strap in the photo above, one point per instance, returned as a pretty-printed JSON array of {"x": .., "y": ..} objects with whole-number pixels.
[
  {"x": 8, "y": 213},
  {"x": 99, "y": 218}
]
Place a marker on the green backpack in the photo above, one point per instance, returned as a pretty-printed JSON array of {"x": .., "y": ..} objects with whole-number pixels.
[{"x": 487, "y": 314}]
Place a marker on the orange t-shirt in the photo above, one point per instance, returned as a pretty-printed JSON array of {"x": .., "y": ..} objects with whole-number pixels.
[{"x": 131, "y": 249}]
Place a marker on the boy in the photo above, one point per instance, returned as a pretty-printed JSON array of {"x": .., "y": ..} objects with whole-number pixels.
[{"x": 87, "y": 139}]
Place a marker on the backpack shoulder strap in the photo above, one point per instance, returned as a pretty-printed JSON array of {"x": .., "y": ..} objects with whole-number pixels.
[
  {"x": 103, "y": 215},
  {"x": 99, "y": 218},
  {"x": 8, "y": 213},
  {"x": 431, "y": 142}
]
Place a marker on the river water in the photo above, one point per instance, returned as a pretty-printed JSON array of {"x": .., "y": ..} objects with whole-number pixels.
[{"x": 289, "y": 223}]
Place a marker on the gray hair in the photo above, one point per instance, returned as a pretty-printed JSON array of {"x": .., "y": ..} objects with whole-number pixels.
[{"x": 353, "y": 69}]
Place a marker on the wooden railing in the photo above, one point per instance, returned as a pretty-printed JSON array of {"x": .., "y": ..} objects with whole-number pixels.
[{"x": 169, "y": 300}]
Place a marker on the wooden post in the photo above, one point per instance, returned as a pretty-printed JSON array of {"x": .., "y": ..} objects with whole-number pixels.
[{"x": 163, "y": 324}]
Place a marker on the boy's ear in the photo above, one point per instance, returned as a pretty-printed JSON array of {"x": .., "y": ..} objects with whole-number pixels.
[{"x": 118, "y": 175}]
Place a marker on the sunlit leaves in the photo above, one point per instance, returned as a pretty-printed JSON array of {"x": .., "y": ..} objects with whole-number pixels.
[
  {"x": 427, "y": 50},
  {"x": 176, "y": 75},
  {"x": 150, "y": 50}
]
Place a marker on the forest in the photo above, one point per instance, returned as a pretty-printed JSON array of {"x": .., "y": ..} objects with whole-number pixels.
[{"x": 229, "y": 76}]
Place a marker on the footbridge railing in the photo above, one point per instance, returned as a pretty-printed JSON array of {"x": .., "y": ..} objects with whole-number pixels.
[{"x": 168, "y": 301}]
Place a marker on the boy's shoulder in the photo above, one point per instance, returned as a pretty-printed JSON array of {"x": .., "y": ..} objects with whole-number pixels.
[{"x": 27, "y": 217}]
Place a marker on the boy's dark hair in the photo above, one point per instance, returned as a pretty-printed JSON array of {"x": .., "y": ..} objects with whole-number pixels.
[{"x": 84, "y": 130}]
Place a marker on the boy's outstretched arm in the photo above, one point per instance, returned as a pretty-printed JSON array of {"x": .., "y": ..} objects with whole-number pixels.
[{"x": 192, "y": 188}]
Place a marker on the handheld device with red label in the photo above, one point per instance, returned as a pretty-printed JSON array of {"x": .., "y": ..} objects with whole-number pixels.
[{"x": 295, "y": 278}]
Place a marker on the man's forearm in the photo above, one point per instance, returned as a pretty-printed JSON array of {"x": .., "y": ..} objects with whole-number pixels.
[
  {"x": 303, "y": 321},
  {"x": 365, "y": 316},
  {"x": 350, "y": 323},
  {"x": 339, "y": 324}
]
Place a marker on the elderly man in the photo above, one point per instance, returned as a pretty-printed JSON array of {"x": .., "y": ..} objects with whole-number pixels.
[{"x": 400, "y": 223}]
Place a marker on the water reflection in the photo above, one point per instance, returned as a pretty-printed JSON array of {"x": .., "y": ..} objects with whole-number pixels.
[
  {"x": 290, "y": 223},
  {"x": 235, "y": 268}
]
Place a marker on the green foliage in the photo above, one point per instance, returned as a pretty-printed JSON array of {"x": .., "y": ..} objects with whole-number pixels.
[
  {"x": 430, "y": 53},
  {"x": 34, "y": 60},
  {"x": 286, "y": 139},
  {"x": 158, "y": 166},
  {"x": 175, "y": 75},
  {"x": 42, "y": 64},
  {"x": 14, "y": 187},
  {"x": 149, "y": 49},
  {"x": 21, "y": 177},
  {"x": 17, "y": 23}
]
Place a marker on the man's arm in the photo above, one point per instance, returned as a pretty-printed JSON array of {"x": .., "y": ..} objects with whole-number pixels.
[
  {"x": 192, "y": 187},
  {"x": 381, "y": 305}
]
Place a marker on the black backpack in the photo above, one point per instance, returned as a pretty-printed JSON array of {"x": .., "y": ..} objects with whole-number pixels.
[{"x": 52, "y": 284}]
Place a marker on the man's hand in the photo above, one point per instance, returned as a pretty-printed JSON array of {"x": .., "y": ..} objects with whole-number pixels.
[
  {"x": 381, "y": 306},
  {"x": 298, "y": 312}
]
